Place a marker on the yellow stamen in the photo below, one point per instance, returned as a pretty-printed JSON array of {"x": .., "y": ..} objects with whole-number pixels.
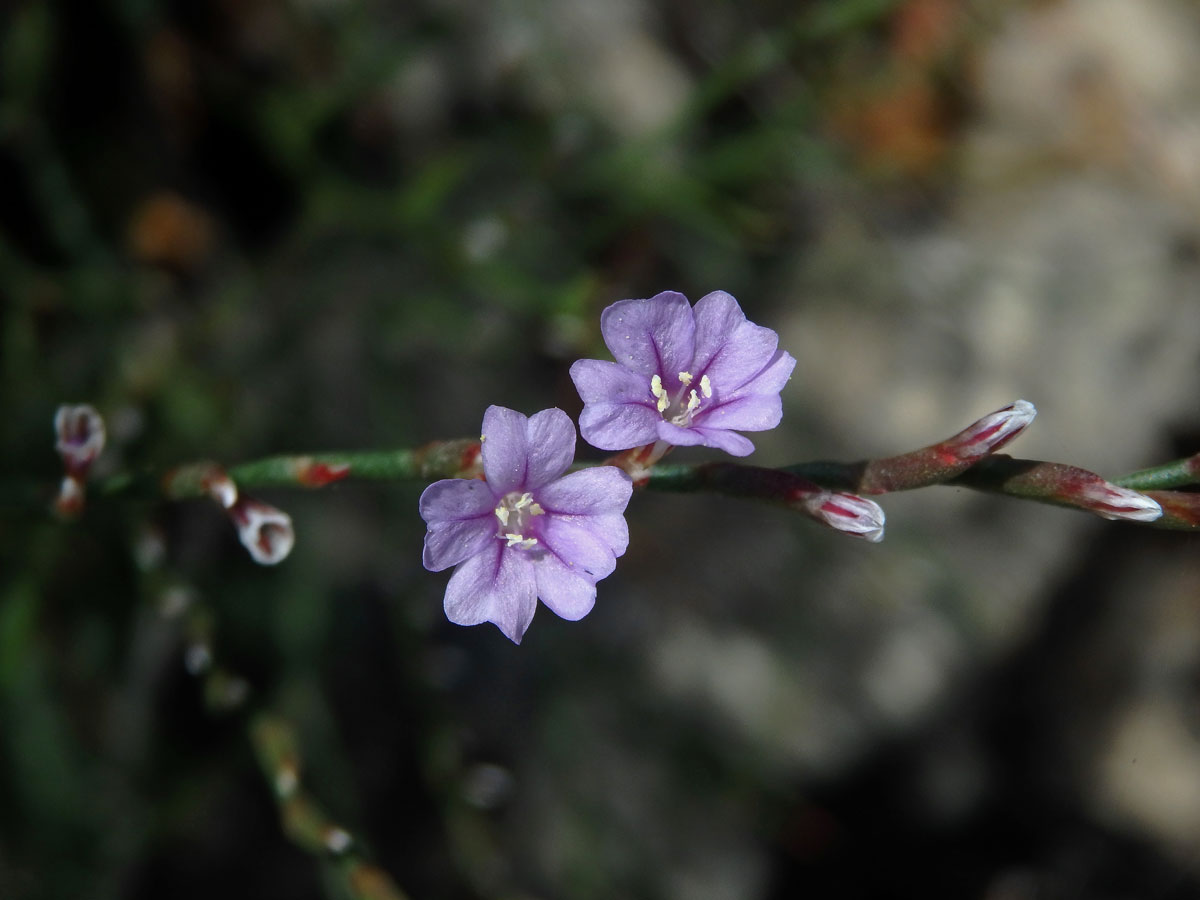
[{"x": 705, "y": 386}]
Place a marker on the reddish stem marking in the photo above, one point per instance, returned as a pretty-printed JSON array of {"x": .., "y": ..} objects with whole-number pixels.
[{"x": 318, "y": 474}]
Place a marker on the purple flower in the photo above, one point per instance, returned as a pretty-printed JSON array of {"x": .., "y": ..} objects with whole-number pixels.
[
  {"x": 528, "y": 531},
  {"x": 682, "y": 376}
]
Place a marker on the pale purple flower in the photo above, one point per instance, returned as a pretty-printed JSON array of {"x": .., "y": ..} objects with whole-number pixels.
[
  {"x": 529, "y": 531},
  {"x": 684, "y": 376}
]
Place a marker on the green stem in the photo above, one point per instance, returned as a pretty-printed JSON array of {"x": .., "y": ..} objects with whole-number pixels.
[{"x": 1180, "y": 473}]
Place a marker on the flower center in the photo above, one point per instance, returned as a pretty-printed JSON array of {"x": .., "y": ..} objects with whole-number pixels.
[
  {"x": 679, "y": 409},
  {"x": 514, "y": 516}
]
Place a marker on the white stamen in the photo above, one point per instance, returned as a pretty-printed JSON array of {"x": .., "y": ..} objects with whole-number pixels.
[
  {"x": 535, "y": 509},
  {"x": 685, "y": 377},
  {"x": 502, "y": 514},
  {"x": 519, "y": 540},
  {"x": 705, "y": 386},
  {"x": 657, "y": 390}
]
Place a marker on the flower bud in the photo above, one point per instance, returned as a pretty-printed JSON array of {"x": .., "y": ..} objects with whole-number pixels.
[
  {"x": 80, "y": 431},
  {"x": 71, "y": 497},
  {"x": 263, "y": 530},
  {"x": 218, "y": 485},
  {"x": 1112, "y": 502},
  {"x": 850, "y": 513},
  {"x": 989, "y": 434}
]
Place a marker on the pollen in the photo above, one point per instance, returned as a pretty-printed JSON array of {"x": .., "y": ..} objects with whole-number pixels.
[
  {"x": 705, "y": 386},
  {"x": 502, "y": 514},
  {"x": 686, "y": 377}
]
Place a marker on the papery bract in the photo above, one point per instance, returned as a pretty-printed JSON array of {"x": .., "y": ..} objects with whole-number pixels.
[
  {"x": 529, "y": 531},
  {"x": 684, "y": 376}
]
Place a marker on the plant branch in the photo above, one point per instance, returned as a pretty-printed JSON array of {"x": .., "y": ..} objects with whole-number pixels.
[{"x": 822, "y": 490}]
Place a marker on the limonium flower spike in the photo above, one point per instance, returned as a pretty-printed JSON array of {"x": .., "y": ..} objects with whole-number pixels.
[
  {"x": 529, "y": 531},
  {"x": 684, "y": 376}
]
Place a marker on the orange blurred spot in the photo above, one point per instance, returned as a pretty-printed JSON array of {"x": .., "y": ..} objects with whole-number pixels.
[{"x": 167, "y": 230}]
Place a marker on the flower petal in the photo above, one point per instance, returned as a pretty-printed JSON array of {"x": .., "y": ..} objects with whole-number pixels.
[
  {"x": 730, "y": 441},
  {"x": 564, "y": 592},
  {"x": 770, "y": 380},
  {"x": 618, "y": 426},
  {"x": 454, "y": 499},
  {"x": 677, "y": 436},
  {"x": 654, "y": 336},
  {"x": 579, "y": 548},
  {"x": 754, "y": 412},
  {"x": 729, "y": 350},
  {"x": 497, "y": 585},
  {"x": 550, "y": 437},
  {"x": 600, "y": 381},
  {"x": 603, "y": 489},
  {"x": 448, "y": 543},
  {"x": 459, "y": 514},
  {"x": 609, "y": 528},
  {"x": 505, "y": 449}
]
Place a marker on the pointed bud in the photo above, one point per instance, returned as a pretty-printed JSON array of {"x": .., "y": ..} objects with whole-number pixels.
[
  {"x": 850, "y": 513},
  {"x": 263, "y": 530},
  {"x": 80, "y": 431},
  {"x": 1112, "y": 502},
  {"x": 989, "y": 434}
]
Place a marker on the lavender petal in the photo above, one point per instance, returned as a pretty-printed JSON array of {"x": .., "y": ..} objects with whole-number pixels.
[
  {"x": 579, "y": 549},
  {"x": 770, "y": 380},
  {"x": 550, "y": 437},
  {"x": 497, "y": 585},
  {"x": 677, "y": 436},
  {"x": 600, "y": 381},
  {"x": 756, "y": 412},
  {"x": 730, "y": 441},
  {"x": 602, "y": 489},
  {"x": 455, "y": 498},
  {"x": 618, "y": 426},
  {"x": 729, "y": 349},
  {"x": 505, "y": 449},
  {"x": 654, "y": 336},
  {"x": 450, "y": 542},
  {"x": 564, "y": 592}
]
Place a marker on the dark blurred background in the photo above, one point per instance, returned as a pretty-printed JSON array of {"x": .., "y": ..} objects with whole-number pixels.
[{"x": 245, "y": 227}]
